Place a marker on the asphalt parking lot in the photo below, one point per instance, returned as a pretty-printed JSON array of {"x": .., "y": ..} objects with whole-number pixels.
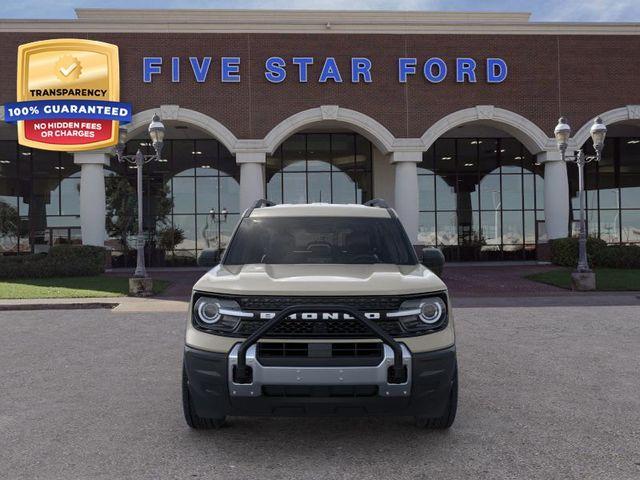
[{"x": 546, "y": 393}]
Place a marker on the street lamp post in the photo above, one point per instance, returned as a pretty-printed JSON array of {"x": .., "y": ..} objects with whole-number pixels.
[
  {"x": 156, "y": 133},
  {"x": 583, "y": 278}
]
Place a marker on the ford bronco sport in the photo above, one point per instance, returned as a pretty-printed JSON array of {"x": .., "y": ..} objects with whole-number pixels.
[{"x": 320, "y": 310}]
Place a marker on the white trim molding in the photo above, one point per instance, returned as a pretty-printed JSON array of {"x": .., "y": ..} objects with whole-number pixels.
[
  {"x": 531, "y": 136},
  {"x": 356, "y": 121},
  {"x": 141, "y": 120},
  {"x": 622, "y": 114}
]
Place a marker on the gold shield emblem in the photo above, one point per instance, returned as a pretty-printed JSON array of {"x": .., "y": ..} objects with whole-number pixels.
[{"x": 68, "y": 69}]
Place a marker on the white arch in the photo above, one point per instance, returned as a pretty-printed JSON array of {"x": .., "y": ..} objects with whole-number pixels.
[
  {"x": 221, "y": 133},
  {"x": 630, "y": 112},
  {"x": 531, "y": 136},
  {"x": 359, "y": 122}
]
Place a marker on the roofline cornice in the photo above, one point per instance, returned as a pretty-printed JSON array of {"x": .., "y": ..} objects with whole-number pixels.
[{"x": 316, "y": 22}]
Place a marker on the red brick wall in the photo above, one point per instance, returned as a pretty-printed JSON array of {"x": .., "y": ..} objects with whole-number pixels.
[{"x": 578, "y": 76}]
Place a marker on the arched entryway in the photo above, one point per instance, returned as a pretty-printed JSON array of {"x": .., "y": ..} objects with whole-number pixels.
[
  {"x": 482, "y": 187},
  {"x": 191, "y": 196}
]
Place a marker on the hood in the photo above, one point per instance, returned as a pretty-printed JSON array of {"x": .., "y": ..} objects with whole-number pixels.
[{"x": 314, "y": 279}]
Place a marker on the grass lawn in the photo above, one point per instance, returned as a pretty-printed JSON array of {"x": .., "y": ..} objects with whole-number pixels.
[
  {"x": 70, "y": 287},
  {"x": 606, "y": 278}
]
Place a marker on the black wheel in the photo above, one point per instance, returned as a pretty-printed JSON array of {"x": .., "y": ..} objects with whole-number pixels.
[
  {"x": 446, "y": 420},
  {"x": 190, "y": 416}
]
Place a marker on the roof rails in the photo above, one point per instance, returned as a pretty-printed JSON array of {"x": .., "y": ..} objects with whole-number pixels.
[
  {"x": 376, "y": 202},
  {"x": 381, "y": 203},
  {"x": 263, "y": 202}
]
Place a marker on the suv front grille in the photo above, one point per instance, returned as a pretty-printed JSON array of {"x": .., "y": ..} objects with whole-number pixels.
[
  {"x": 368, "y": 303},
  {"x": 319, "y": 329}
]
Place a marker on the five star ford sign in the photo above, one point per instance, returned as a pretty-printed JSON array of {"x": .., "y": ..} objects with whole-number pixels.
[{"x": 68, "y": 95}]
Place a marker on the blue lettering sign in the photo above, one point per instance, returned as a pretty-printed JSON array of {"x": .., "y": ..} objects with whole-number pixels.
[
  {"x": 360, "y": 67},
  {"x": 303, "y": 65},
  {"x": 428, "y": 70},
  {"x": 496, "y": 70},
  {"x": 406, "y": 66},
  {"x": 275, "y": 69},
  {"x": 200, "y": 71},
  {"x": 151, "y": 66},
  {"x": 175, "y": 69},
  {"x": 330, "y": 71},
  {"x": 230, "y": 69},
  {"x": 465, "y": 67}
]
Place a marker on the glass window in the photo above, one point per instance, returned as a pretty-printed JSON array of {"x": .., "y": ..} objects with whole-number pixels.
[
  {"x": 207, "y": 194},
  {"x": 320, "y": 167},
  {"x": 306, "y": 240},
  {"x": 182, "y": 160},
  {"x": 445, "y": 195},
  {"x": 512, "y": 192},
  {"x": 447, "y": 228},
  {"x": 294, "y": 187},
  {"x": 630, "y": 190},
  {"x": 319, "y": 153},
  {"x": 630, "y": 226},
  {"x": 609, "y": 225},
  {"x": 427, "y": 228},
  {"x": 294, "y": 153},
  {"x": 426, "y": 187},
  {"x": 320, "y": 187},
  {"x": 8, "y": 159}
]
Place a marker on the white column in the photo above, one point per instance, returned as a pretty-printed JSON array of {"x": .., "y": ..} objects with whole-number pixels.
[
  {"x": 251, "y": 177},
  {"x": 556, "y": 194},
  {"x": 93, "y": 208},
  {"x": 406, "y": 190}
]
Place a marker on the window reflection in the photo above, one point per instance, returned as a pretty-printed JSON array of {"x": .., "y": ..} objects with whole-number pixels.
[
  {"x": 479, "y": 198},
  {"x": 612, "y": 191},
  {"x": 320, "y": 167}
]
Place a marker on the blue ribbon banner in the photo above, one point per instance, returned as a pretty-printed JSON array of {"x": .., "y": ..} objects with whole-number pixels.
[{"x": 67, "y": 109}]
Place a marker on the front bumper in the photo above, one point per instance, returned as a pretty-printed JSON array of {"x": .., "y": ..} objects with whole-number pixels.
[{"x": 211, "y": 386}]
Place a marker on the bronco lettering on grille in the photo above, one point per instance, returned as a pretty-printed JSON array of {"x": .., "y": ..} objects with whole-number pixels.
[{"x": 319, "y": 316}]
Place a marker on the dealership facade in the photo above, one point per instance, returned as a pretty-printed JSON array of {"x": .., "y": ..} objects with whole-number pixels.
[{"x": 448, "y": 116}]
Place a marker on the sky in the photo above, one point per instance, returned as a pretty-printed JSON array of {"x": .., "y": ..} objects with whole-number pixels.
[{"x": 542, "y": 10}]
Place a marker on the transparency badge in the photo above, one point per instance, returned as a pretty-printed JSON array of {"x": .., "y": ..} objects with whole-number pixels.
[{"x": 68, "y": 95}]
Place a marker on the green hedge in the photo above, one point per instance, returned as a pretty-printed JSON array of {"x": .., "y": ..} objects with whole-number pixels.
[
  {"x": 564, "y": 252},
  {"x": 61, "y": 261}
]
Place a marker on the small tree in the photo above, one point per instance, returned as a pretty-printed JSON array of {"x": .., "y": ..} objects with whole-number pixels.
[
  {"x": 9, "y": 221},
  {"x": 122, "y": 208}
]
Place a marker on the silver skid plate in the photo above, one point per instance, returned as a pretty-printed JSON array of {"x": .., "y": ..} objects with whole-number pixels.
[{"x": 359, "y": 375}]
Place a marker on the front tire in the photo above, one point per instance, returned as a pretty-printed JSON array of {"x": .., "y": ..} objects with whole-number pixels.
[
  {"x": 191, "y": 417},
  {"x": 446, "y": 420}
]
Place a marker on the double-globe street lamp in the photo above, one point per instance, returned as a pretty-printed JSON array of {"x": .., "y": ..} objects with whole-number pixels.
[
  {"x": 156, "y": 133},
  {"x": 583, "y": 278}
]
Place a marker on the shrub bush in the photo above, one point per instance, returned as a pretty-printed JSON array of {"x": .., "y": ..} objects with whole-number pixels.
[
  {"x": 61, "y": 261},
  {"x": 564, "y": 252}
]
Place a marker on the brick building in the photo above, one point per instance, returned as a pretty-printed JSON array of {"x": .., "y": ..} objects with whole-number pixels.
[{"x": 448, "y": 116}]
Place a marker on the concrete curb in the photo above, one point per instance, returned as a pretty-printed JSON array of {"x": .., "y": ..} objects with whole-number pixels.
[{"x": 56, "y": 306}]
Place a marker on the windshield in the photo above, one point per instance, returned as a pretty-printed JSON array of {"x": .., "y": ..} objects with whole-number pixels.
[{"x": 338, "y": 240}]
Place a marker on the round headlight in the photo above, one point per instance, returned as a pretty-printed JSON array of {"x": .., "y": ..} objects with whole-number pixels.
[
  {"x": 208, "y": 311},
  {"x": 432, "y": 311}
]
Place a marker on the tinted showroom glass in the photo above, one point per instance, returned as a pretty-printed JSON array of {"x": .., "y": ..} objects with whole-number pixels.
[{"x": 341, "y": 240}]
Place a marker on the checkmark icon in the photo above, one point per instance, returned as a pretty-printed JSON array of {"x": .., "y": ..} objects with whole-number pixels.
[
  {"x": 68, "y": 68},
  {"x": 66, "y": 71}
]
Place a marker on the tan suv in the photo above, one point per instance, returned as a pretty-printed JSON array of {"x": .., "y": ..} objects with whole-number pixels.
[{"x": 320, "y": 310}]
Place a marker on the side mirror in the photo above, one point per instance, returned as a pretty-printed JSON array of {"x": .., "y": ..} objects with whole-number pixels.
[
  {"x": 433, "y": 259},
  {"x": 209, "y": 257}
]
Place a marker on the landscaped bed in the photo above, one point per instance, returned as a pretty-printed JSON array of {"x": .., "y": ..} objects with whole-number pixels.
[
  {"x": 70, "y": 287},
  {"x": 607, "y": 279}
]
